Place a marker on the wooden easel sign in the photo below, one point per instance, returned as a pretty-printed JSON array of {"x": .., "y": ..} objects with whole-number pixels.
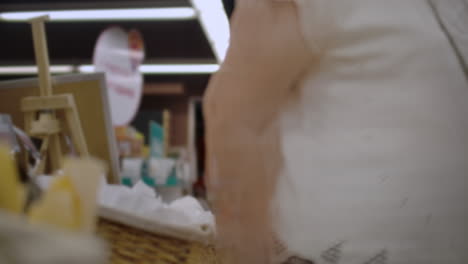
[{"x": 40, "y": 112}]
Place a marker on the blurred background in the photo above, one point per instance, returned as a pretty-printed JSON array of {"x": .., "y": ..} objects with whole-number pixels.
[
  {"x": 137, "y": 71},
  {"x": 184, "y": 42}
]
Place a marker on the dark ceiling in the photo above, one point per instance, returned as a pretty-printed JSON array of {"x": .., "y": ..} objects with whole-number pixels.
[{"x": 73, "y": 42}]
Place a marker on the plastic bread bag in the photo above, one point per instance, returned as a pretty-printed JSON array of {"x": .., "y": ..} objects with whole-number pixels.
[
  {"x": 21, "y": 243},
  {"x": 70, "y": 202}
]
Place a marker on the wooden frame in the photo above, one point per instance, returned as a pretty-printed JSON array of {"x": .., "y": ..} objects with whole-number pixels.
[
  {"x": 192, "y": 135},
  {"x": 91, "y": 99}
]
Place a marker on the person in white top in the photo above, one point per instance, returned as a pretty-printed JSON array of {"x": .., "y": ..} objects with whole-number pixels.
[{"x": 341, "y": 127}]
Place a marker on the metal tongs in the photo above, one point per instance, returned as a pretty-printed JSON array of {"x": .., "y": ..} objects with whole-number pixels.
[{"x": 33, "y": 190}]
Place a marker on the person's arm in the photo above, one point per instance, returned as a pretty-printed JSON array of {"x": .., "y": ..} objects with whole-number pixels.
[{"x": 266, "y": 57}]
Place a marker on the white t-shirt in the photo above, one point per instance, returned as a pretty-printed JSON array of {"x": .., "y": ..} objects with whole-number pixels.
[{"x": 375, "y": 139}]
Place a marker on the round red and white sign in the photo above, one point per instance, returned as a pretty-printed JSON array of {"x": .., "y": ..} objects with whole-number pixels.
[{"x": 119, "y": 54}]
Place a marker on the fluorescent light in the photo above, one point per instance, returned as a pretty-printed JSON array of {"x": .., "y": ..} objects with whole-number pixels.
[
  {"x": 30, "y": 70},
  {"x": 179, "y": 68},
  {"x": 86, "y": 68},
  {"x": 215, "y": 24},
  {"x": 175, "y": 13},
  {"x": 166, "y": 68},
  {"x": 145, "y": 69}
]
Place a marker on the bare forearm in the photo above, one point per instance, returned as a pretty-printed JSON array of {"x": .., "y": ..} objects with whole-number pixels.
[
  {"x": 246, "y": 166},
  {"x": 244, "y": 160},
  {"x": 226, "y": 100},
  {"x": 266, "y": 56},
  {"x": 242, "y": 134}
]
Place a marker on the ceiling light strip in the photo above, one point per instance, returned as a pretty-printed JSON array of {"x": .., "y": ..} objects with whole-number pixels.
[
  {"x": 175, "y": 13},
  {"x": 28, "y": 70},
  {"x": 150, "y": 69},
  {"x": 215, "y": 23},
  {"x": 166, "y": 68}
]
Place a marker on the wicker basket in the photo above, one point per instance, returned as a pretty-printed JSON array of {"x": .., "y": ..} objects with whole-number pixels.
[{"x": 131, "y": 245}]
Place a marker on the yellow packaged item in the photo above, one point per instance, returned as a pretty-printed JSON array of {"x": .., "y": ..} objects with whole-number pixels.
[
  {"x": 70, "y": 202},
  {"x": 12, "y": 193}
]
